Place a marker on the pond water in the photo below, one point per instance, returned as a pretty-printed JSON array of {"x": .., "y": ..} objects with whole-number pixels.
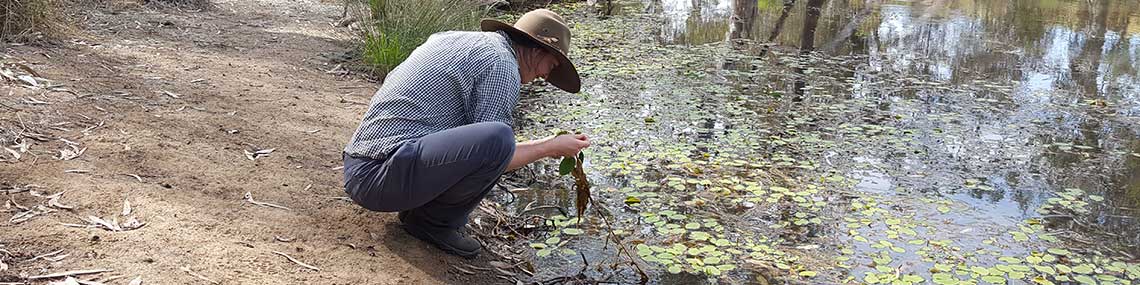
[{"x": 817, "y": 141}]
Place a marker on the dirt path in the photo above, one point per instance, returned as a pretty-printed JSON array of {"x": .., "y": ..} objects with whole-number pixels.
[{"x": 247, "y": 74}]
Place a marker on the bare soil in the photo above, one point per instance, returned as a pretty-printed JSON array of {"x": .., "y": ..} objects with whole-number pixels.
[{"x": 248, "y": 75}]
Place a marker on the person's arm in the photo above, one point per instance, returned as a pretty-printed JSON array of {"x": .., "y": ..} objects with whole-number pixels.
[{"x": 558, "y": 146}]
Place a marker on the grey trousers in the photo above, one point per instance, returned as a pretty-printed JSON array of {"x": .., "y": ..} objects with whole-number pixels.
[{"x": 437, "y": 179}]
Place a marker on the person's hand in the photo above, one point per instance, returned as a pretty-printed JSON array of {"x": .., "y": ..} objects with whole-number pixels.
[{"x": 567, "y": 145}]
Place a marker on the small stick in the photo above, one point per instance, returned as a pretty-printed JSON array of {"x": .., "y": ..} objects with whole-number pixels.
[
  {"x": 69, "y": 273},
  {"x": 249, "y": 198},
  {"x": 135, "y": 176},
  {"x": 187, "y": 269},
  {"x": 44, "y": 255},
  {"x": 314, "y": 268}
]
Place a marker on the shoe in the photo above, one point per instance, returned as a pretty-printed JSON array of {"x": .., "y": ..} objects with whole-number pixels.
[{"x": 450, "y": 241}]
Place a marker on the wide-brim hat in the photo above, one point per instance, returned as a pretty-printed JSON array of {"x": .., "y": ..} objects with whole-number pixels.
[{"x": 547, "y": 29}]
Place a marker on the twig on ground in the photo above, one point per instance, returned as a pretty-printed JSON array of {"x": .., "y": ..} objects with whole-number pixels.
[
  {"x": 298, "y": 262},
  {"x": 134, "y": 176},
  {"x": 69, "y": 273},
  {"x": 249, "y": 198},
  {"x": 199, "y": 276},
  {"x": 528, "y": 209}
]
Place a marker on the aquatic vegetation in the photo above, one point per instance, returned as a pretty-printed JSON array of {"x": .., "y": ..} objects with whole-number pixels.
[{"x": 712, "y": 169}]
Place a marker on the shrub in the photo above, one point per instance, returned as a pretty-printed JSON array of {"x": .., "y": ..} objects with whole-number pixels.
[
  {"x": 25, "y": 19},
  {"x": 391, "y": 29}
]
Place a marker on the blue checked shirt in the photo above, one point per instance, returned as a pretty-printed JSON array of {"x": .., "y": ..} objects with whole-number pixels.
[{"x": 453, "y": 79}]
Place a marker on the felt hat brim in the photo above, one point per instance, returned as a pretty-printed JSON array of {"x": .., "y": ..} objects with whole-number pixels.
[{"x": 564, "y": 76}]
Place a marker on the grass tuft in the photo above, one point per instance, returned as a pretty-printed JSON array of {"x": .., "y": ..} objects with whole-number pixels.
[
  {"x": 393, "y": 28},
  {"x": 22, "y": 20}
]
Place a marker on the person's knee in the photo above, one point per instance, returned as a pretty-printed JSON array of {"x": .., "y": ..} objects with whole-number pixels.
[{"x": 501, "y": 136}]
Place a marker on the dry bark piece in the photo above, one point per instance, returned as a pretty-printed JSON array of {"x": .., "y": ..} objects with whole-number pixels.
[
  {"x": 53, "y": 201},
  {"x": 298, "y": 262},
  {"x": 258, "y": 153},
  {"x": 283, "y": 239},
  {"x": 126, "y": 208},
  {"x": 132, "y": 224}
]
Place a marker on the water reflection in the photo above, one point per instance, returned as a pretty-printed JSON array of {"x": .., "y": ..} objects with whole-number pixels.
[
  {"x": 695, "y": 21},
  {"x": 1026, "y": 76}
]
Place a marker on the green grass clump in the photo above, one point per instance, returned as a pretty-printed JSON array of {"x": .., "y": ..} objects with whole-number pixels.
[
  {"x": 393, "y": 28},
  {"x": 27, "y": 19}
]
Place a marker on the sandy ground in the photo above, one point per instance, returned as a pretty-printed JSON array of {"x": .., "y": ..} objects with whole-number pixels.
[{"x": 247, "y": 74}]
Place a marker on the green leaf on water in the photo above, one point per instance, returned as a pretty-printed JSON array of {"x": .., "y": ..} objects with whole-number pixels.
[
  {"x": 572, "y": 231},
  {"x": 1059, "y": 251},
  {"x": 1019, "y": 236},
  {"x": 632, "y": 200},
  {"x": 693, "y": 226},
  {"x": 712, "y": 270},
  {"x": 1040, "y": 280},
  {"x": 567, "y": 251},
  {"x": 643, "y": 250},
  {"x": 1085, "y": 279},
  {"x": 553, "y": 240},
  {"x": 1017, "y": 275},
  {"x": 538, "y": 245},
  {"x": 701, "y": 236},
  {"x": 1097, "y": 198},
  {"x": 1063, "y": 269},
  {"x": 911, "y": 278},
  {"x": 1045, "y": 269},
  {"x": 808, "y": 274},
  {"x": 870, "y": 278},
  {"x": 980, "y": 270},
  {"x": 674, "y": 269},
  {"x": 993, "y": 279},
  {"x": 1083, "y": 269},
  {"x": 944, "y": 209},
  {"x": 543, "y": 252},
  {"x": 943, "y": 279}
]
